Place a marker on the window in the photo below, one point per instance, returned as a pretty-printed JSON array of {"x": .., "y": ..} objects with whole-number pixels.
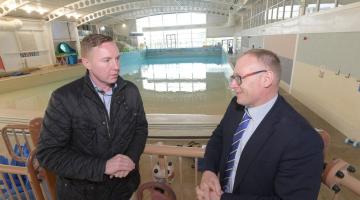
[
  {"x": 156, "y": 21},
  {"x": 178, "y": 38},
  {"x": 326, "y": 4},
  {"x": 169, "y": 20},
  {"x": 183, "y": 18},
  {"x": 198, "y": 18}
]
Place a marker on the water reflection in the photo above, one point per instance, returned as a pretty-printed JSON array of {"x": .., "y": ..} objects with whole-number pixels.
[{"x": 190, "y": 88}]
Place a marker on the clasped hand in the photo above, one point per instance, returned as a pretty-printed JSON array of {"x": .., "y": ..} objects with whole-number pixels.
[
  {"x": 209, "y": 188},
  {"x": 119, "y": 166}
]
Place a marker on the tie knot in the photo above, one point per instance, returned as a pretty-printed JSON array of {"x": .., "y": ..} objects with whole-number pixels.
[{"x": 246, "y": 115}]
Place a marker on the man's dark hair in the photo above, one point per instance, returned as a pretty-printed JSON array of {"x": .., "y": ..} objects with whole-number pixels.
[{"x": 93, "y": 40}]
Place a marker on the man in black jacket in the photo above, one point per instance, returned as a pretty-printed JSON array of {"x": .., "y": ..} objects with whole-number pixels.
[{"x": 94, "y": 129}]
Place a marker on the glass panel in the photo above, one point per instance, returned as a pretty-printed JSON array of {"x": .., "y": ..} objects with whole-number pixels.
[
  {"x": 310, "y": 6},
  {"x": 198, "y": 18},
  {"x": 142, "y": 22},
  {"x": 157, "y": 39},
  {"x": 281, "y": 12},
  {"x": 327, "y": 4},
  {"x": 147, "y": 40},
  {"x": 287, "y": 14},
  {"x": 274, "y": 12},
  {"x": 262, "y": 18},
  {"x": 198, "y": 37},
  {"x": 169, "y": 20},
  {"x": 296, "y": 8},
  {"x": 156, "y": 20},
  {"x": 183, "y": 18},
  {"x": 184, "y": 38}
]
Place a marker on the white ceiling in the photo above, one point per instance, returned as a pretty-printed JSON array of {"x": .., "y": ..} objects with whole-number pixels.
[{"x": 113, "y": 11}]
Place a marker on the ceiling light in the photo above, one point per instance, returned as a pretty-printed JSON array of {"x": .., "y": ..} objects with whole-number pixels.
[
  {"x": 41, "y": 10},
  {"x": 11, "y": 5},
  {"x": 124, "y": 25},
  {"x": 29, "y": 9}
]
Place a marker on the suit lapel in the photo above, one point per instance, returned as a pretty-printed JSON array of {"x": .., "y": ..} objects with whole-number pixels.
[
  {"x": 231, "y": 126},
  {"x": 257, "y": 141},
  {"x": 234, "y": 124}
]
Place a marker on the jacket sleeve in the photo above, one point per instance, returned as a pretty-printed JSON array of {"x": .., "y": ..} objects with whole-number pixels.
[
  {"x": 299, "y": 171},
  {"x": 137, "y": 145},
  {"x": 53, "y": 150}
]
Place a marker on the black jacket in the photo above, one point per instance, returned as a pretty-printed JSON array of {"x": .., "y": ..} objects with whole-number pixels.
[{"x": 78, "y": 137}]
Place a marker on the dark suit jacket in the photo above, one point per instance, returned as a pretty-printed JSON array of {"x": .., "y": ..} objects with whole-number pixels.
[{"x": 283, "y": 159}]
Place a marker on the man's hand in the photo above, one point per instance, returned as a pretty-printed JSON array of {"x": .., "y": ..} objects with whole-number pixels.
[
  {"x": 119, "y": 165},
  {"x": 203, "y": 192},
  {"x": 210, "y": 179},
  {"x": 120, "y": 174}
]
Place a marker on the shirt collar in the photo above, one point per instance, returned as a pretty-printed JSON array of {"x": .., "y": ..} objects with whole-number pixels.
[
  {"x": 259, "y": 112},
  {"x": 98, "y": 90}
]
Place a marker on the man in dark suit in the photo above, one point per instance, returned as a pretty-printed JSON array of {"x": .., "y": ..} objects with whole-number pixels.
[{"x": 262, "y": 148}]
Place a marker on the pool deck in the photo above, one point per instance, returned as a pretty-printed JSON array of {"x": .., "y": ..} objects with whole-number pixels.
[{"x": 39, "y": 77}]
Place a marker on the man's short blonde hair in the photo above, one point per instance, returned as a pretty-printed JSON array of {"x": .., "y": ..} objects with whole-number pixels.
[
  {"x": 268, "y": 58},
  {"x": 93, "y": 40}
]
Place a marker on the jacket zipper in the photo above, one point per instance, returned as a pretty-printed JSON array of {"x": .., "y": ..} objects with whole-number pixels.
[
  {"x": 105, "y": 112},
  {"x": 107, "y": 124}
]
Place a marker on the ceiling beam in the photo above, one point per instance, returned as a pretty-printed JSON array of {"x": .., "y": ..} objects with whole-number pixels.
[
  {"x": 10, "y": 5},
  {"x": 135, "y": 14},
  {"x": 73, "y": 7},
  {"x": 151, "y": 6}
]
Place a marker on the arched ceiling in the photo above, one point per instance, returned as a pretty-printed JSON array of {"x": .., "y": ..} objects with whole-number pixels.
[{"x": 109, "y": 11}]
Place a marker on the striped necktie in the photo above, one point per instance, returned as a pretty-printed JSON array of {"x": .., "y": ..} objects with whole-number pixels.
[{"x": 234, "y": 147}]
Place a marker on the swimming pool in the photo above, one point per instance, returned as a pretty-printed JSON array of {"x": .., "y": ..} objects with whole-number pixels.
[
  {"x": 180, "y": 83},
  {"x": 168, "y": 84}
]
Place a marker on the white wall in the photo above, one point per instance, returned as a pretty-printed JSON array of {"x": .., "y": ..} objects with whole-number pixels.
[
  {"x": 32, "y": 37},
  {"x": 284, "y": 46},
  {"x": 321, "y": 78}
]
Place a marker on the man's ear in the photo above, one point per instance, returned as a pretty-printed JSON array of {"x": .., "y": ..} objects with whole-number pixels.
[
  {"x": 268, "y": 78},
  {"x": 86, "y": 63}
]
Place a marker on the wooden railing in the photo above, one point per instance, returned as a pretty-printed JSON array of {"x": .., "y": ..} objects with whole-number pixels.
[
  {"x": 13, "y": 182},
  {"x": 21, "y": 136},
  {"x": 17, "y": 135}
]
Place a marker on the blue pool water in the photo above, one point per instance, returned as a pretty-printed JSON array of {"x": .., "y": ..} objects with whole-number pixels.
[{"x": 191, "y": 81}]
